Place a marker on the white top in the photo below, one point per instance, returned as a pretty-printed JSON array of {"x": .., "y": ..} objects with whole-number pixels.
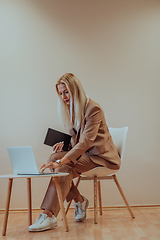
[{"x": 59, "y": 174}]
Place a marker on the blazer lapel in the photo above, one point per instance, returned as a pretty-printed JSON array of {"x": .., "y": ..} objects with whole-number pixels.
[
  {"x": 78, "y": 133},
  {"x": 73, "y": 134},
  {"x": 80, "y": 127}
]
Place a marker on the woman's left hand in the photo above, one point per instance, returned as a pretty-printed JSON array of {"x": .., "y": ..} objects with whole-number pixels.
[
  {"x": 50, "y": 165},
  {"x": 58, "y": 147}
]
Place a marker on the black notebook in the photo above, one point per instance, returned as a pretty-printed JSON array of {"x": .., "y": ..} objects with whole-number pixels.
[{"x": 53, "y": 136}]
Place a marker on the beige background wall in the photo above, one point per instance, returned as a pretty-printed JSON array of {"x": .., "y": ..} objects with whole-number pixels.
[{"x": 114, "y": 49}]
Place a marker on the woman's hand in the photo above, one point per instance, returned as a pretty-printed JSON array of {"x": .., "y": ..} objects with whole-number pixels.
[
  {"x": 53, "y": 165},
  {"x": 50, "y": 165},
  {"x": 58, "y": 147}
]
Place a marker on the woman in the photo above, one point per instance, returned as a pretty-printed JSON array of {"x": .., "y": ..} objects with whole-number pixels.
[{"x": 91, "y": 146}]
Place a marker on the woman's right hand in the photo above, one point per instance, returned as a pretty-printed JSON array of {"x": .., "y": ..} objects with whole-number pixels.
[{"x": 58, "y": 147}]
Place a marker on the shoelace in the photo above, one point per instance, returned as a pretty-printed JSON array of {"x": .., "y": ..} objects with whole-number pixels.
[
  {"x": 42, "y": 217},
  {"x": 78, "y": 209}
]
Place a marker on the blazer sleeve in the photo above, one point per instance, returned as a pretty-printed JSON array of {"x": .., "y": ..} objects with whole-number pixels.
[{"x": 91, "y": 123}]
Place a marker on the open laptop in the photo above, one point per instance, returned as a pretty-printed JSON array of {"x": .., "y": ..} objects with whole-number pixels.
[{"x": 23, "y": 161}]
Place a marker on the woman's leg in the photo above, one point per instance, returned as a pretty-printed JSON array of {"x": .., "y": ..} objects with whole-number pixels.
[
  {"x": 81, "y": 203},
  {"x": 69, "y": 190},
  {"x": 50, "y": 203},
  {"x": 83, "y": 164}
]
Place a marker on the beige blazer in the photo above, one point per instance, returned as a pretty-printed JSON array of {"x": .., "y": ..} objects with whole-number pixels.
[{"x": 93, "y": 138}]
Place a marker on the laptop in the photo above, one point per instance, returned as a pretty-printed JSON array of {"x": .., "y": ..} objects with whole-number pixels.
[
  {"x": 23, "y": 161},
  {"x": 53, "y": 136}
]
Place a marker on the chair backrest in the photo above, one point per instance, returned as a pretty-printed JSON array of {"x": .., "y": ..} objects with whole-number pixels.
[{"x": 119, "y": 138}]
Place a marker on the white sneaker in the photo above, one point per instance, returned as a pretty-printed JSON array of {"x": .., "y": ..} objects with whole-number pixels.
[
  {"x": 43, "y": 223},
  {"x": 80, "y": 210}
]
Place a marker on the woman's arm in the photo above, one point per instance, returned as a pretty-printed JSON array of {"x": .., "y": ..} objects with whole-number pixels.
[
  {"x": 91, "y": 123},
  {"x": 89, "y": 131}
]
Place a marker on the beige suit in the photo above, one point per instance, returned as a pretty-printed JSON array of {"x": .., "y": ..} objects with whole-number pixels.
[
  {"x": 93, "y": 136},
  {"x": 92, "y": 146}
]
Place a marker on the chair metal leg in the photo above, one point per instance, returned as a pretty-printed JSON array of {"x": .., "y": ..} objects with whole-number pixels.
[
  {"x": 99, "y": 196},
  {"x": 95, "y": 201},
  {"x": 123, "y": 196},
  {"x": 77, "y": 183}
]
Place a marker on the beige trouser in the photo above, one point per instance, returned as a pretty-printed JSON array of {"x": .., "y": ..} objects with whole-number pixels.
[{"x": 69, "y": 190}]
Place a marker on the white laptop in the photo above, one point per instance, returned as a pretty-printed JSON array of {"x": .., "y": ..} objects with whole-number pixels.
[{"x": 23, "y": 161}]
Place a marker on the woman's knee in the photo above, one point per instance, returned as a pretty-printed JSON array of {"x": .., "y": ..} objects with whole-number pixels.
[
  {"x": 55, "y": 156},
  {"x": 64, "y": 169}
]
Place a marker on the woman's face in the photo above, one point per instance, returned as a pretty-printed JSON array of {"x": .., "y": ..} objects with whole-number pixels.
[{"x": 64, "y": 93}]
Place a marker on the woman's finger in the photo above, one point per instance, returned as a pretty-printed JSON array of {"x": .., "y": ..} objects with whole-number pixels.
[
  {"x": 43, "y": 167},
  {"x": 54, "y": 146},
  {"x": 58, "y": 147},
  {"x": 61, "y": 147},
  {"x": 46, "y": 165},
  {"x": 51, "y": 168}
]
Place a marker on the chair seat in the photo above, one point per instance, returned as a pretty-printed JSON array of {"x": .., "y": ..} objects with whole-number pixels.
[{"x": 99, "y": 172}]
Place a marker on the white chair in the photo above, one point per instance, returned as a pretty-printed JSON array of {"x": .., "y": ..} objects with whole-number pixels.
[{"x": 98, "y": 173}]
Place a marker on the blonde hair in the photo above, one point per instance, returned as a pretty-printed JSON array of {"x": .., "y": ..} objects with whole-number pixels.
[{"x": 73, "y": 114}]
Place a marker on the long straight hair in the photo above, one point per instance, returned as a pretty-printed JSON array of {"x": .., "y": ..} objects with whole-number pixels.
[{"x": 73, "y": 114}]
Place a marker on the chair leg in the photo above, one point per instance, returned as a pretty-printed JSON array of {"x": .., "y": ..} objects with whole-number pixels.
[
  {"x": 4, "y": 229},
  {"x": 60, "y": 199},
  {"x": 123, "y": 196},
  {"x": 99, "y": 196},
  {"x": 77, "y": 183},
  {"x": 95, "y": 200},
  {"x": 29, "y": 201}
]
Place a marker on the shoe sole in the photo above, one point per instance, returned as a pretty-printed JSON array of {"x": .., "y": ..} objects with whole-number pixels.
[
  {"x": 82, "y": 219},
  {"x": 44, "y": 229}
]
